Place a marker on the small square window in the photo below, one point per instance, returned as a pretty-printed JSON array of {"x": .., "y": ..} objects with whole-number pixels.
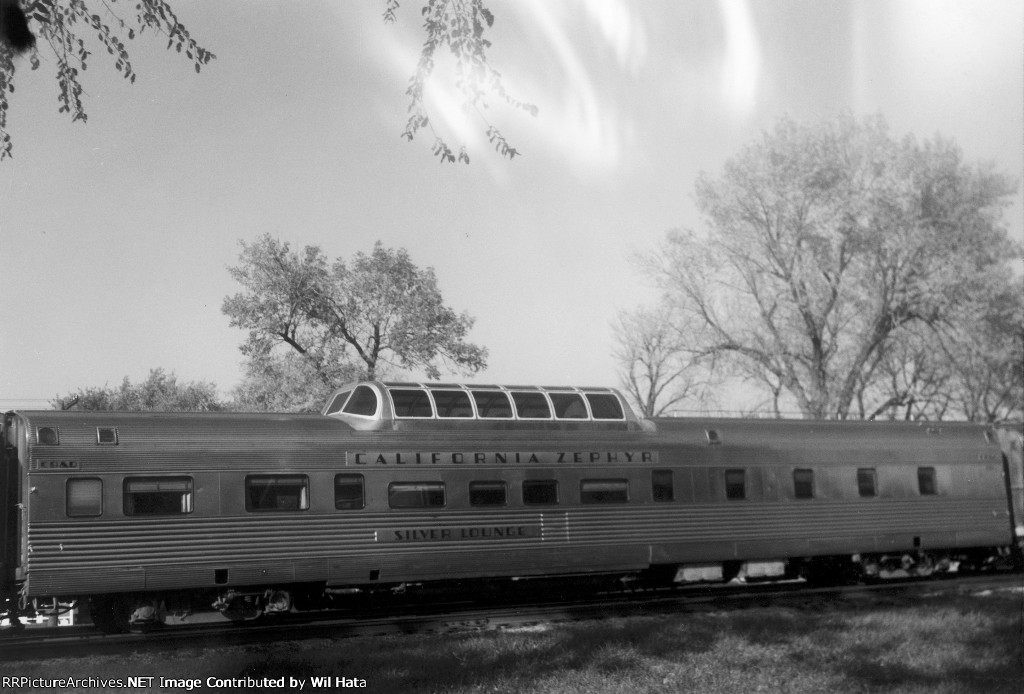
[
  {"x": 926, "y": 481},
  {"x": 106, "y": 436},
  {"x": 48, "y": 436},
  {"x": 735, "y": 484},
  {"x": 488, "y": 493},
  {"x": 867, "y": 481},
  {"x": 84, "y": 497},
  {"x": 348, "y": 492},
  {"x": 803, "y": 484},
  {"x": 540, "y": 492},
  {"x": 662, "y": 487}
]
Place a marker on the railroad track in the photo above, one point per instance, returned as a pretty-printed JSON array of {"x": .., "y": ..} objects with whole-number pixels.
[{"x": 409, "y": 617}]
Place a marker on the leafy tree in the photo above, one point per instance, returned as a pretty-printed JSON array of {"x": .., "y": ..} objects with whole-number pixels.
[
  {"x": 459, "y": 26},
  {"x": 825, "y": 244},
  {"x": 64, "y": 25},
  {"x": 61, "y": 25},
  {"x": 376, "y": 311},
  {"x": 275, "y": 382},
  {"x": 159, "y": 392}
]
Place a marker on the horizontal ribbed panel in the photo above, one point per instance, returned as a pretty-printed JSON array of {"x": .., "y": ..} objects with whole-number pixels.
[{"x": 112, "y": 544}]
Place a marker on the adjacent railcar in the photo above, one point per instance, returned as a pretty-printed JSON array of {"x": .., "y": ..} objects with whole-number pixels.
[{"x": 398, "y": 483}]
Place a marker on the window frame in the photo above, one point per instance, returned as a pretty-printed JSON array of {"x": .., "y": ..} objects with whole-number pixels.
[
  {"x": 803, "y": 488},
  {"x": 660, "y": 498},
  {"x": 452, "y": 392},
  {"x": 429, "y": 487},
  {"x": 185, "y": 498},
  {"x": 362, "y": 491},
  {"x": 867, "y": 474},
  {"x": 74, "y": 481},
  {"x": 566, "y": 401},
  {"x": 927, "y": 481},
  {"x": 425, "y": 396},
  {"x": 532, "y": 394},
  {"x": 605, "y": 491},
  {"x": 609, "y": 397},
  {"x": 294, "y": 480},
  {"x": 474, "y": 392},
  {"x": 493, "y": 484},
  {"x": 352, "y": 400},
  {"x": 730, "y": 486},
  {"x": 537, "y": 484}
]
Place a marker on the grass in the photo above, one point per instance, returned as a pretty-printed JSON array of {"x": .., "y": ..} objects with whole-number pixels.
[{"x": 936, "y": 646}]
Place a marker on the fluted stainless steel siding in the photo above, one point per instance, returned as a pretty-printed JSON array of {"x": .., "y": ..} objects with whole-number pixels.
[
  {"x": 176, "y": 553},
  {"x": 112, "y": 553}
]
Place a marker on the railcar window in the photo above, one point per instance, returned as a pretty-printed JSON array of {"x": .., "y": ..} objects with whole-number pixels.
[
  {"x": 569, "y": 406},
  {"x": 604, "y": 491},
  {"x": 735, "y": 484},
  {"x": 84, "y": 497},
  {"x": 662, "y": 487},
  {"x": 540, "y": 492},
  {"x": 492, "y": 404},
  {"x": 47, "y": 436},
  {"x": 926, "y": 480},
  {"x": 348, "y": 492},
  {"x": 338, "y": 402},
  {"x": 531, "y": 405},
  {"x": 106, "y": 436},
  {"x": 452, "y": 403},
  {"x": 276, "y": 493},
  {"x": 867, "y": 481},
  {"x": 416, "y": 494},
  {"x": 411, "y": 402},
  {"x": 363, "y": 402},
  {"x": 605, "y": 406},
  {"x": 157, "y": 496},
  {"x": 803, "y": 484},
  {"x": 488, "y": 493}
]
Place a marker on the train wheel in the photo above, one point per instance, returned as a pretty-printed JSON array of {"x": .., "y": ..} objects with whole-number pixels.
[{"x": 243, "y": 609}]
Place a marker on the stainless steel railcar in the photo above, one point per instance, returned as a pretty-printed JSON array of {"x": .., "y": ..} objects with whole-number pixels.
[{"x": 398, "y": 483}]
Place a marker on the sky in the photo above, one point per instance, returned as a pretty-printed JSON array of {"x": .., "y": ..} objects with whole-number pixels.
[{"x": 116, "y": 234}]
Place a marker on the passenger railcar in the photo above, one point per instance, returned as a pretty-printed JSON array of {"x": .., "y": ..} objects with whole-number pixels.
[{"x": 411, "y": 483}]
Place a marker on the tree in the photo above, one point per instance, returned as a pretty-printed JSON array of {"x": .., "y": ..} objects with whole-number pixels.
[
  {"x": 286, "y": 382},
  {"x": 62, "y": 25},
  {"x": 379, "y": 310},
  {"x": 656, "y": 366},
  {"x": 459, "y": 26},
  {"x": 159, "y": 392},
  {"x": 58, "y": 23},
  {"x": 824, "y": 244}
]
